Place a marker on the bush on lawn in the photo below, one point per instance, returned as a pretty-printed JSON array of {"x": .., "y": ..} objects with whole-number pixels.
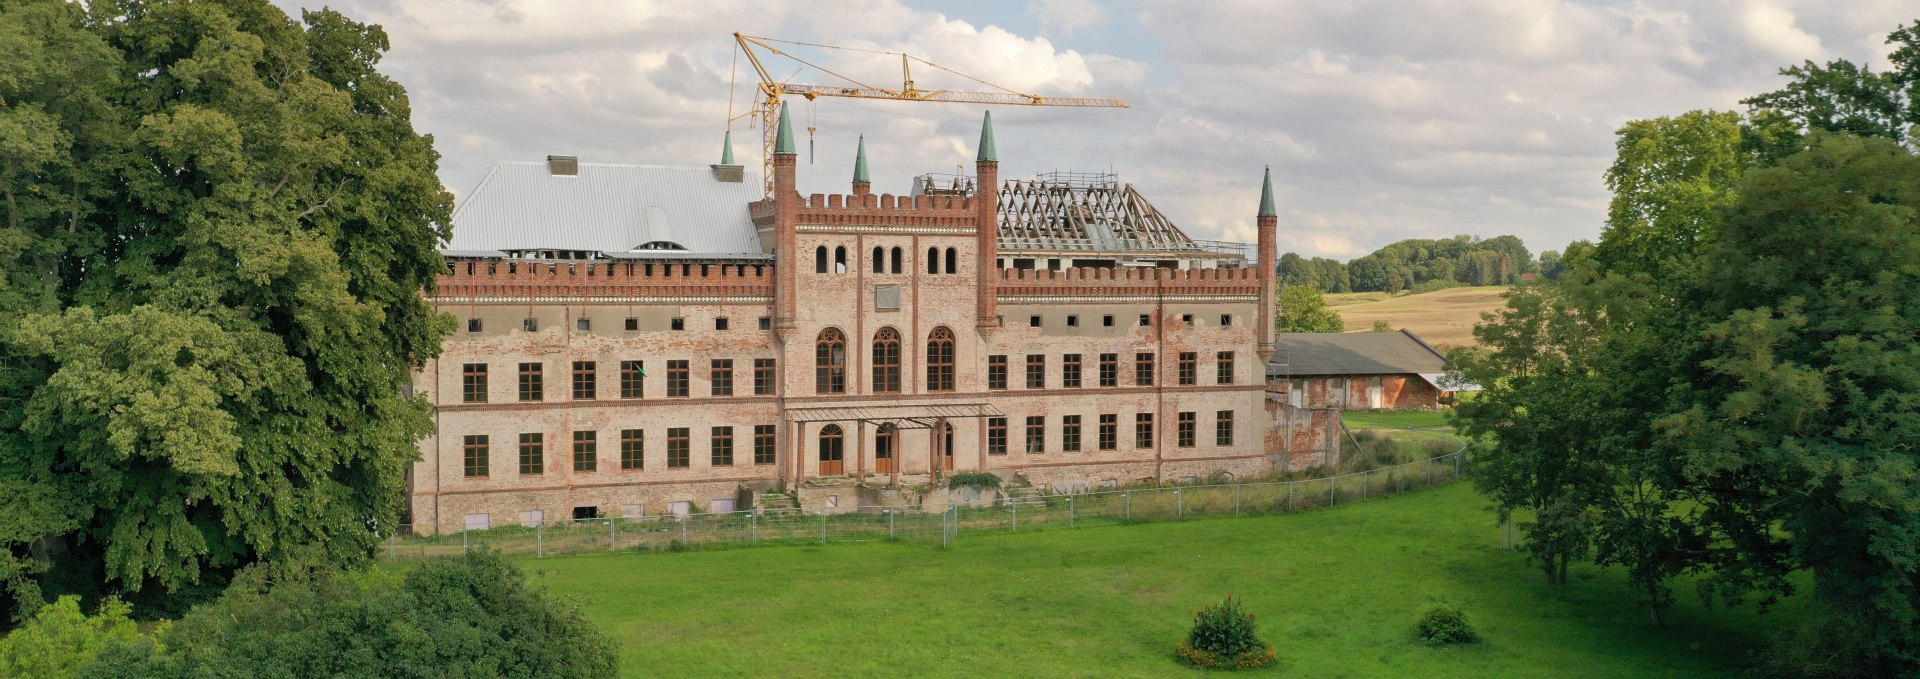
[
  {"x": 981, "y": 480},
  {"x": 1223, "y": 637},
  {"x": 1442, "y": 623}
]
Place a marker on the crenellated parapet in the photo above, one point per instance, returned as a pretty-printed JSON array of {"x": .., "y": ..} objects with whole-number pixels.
[
  {"x": 887, "y": 209},
  {"x": 483, "y": 280},
  {"x": 1235, "y": 283}
]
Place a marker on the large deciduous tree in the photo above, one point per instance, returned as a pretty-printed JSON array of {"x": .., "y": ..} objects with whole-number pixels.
[
  {"x": 1304, "y": 309},
  {"x": 217, "y": 227}
]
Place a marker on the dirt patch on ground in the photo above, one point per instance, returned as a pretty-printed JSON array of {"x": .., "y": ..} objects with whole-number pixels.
[{"x": 1443, "y": 317}]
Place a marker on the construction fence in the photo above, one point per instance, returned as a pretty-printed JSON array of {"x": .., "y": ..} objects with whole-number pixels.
[{"x": 759, "y": 527}]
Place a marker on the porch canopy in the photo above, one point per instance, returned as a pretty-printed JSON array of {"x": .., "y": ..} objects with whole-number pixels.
[{"x": 923, "y": 416}]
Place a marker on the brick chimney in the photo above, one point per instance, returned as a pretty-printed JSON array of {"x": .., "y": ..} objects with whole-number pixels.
[
  {"x": 1268, "y": 224},
  {"x": 786, "y": 209},
  {"x": 986, "y": 202}
]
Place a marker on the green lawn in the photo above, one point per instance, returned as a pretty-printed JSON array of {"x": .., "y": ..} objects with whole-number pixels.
[
  {"x": 1335, "y": 590},
  {"x": 1395, "y": 419}
]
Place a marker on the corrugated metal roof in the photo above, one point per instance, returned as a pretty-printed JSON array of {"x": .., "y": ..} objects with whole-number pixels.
[
  {"x": 1357, "y": 353},
  {"x": 607, "y": 208}
]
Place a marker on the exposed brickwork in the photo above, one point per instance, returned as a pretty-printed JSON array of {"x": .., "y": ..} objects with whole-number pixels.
[{"x": 1397, "y": 392}]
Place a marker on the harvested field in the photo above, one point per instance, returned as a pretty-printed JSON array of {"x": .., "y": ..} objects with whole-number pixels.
[{"x": 1444, "y": 318}]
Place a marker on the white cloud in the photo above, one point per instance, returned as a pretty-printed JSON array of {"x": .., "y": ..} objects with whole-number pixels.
[{"x": 1067, "y": 16}]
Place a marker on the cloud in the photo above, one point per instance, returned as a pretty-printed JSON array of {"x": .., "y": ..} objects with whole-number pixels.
[{"x": 1382, "y": 119}]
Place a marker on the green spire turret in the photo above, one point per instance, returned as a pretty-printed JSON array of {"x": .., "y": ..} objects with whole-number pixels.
[
  {"x": 860, "y": 163},
  {"x": 987, "y": 152},
  {"x": 726, "y": 150},
  {"x": 783, "y": 142},
  {"x": 1266, "y": 196}
]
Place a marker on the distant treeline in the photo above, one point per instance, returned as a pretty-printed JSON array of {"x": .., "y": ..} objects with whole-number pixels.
[{"x": 1418, "y": 264}]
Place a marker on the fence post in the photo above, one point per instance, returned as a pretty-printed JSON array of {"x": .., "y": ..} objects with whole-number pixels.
[
  {"x": 539, "y": 540},
  {"x": 1236, "y": 499},
  {"x": 823, "y": 527},
  {"x": 1069, "y": 511},
  {"x": 1429, "y": 471},
  {"x": 1365, "y": 478},
  {"x": 1289, "y": 496},
  {"x": 1015, "y": 506},
  {"x": 889, "y": 524},
  {"x": 393, "y": 546},
  {"x": 1129, "y": 496},
  {"x": 1179, "y": 505},
  {"x": 753, "y": 528},
  {"x": 613, "y": 534},
  {"x": 1333, "y": 498},
  {"x": 683, "y": 530}
]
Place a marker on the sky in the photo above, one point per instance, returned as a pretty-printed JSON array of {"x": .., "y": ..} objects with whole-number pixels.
[{"x": 1381, "y": 119}]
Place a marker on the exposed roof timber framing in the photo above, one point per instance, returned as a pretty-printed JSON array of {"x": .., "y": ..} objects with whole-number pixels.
[{"x": 1086, "y": 213}]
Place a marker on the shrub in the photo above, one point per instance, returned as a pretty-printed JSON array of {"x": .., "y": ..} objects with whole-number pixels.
[
  {"x": 1223, "y": 637},
  {"x": 1442, "y": 623},
  {"x": 981, "y": 480},
  {"x": 59, "y": 639}
]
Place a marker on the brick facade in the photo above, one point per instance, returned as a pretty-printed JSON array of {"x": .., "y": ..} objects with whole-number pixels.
[{"x": 526, "y": 316}]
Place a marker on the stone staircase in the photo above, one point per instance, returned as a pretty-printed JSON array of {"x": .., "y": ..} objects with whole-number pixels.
[
  {"x": 774, "y": 500},
  {"x": 1023, "y": 495}
]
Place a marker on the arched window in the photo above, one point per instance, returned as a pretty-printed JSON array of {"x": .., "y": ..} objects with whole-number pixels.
[
  {"x": 952, "y": 261},
  {"x": 840, "y": 259},
  {"x": 832, "y": 451},
  {"x": 896, "y": 261},
  {"x": 830, "y": 362},
  {"x": 879, "y": 260},
  {"x": 886, "y": 446},
  {"x": 940, "y": 360},
  {"x": 933, "y": 260},
  {"x": 820, "y": 259},
  {"x": 886, "y": 362}
]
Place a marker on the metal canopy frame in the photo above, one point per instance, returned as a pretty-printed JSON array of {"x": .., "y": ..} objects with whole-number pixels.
[{"x": 900, "y": 416}]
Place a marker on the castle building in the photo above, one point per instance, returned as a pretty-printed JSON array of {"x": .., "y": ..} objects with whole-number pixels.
[{"x": 634, "y": 340}]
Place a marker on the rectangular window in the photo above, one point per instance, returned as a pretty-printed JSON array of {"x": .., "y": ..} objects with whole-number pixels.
[
  {"x": 678, "y": 324},
  {"x": 1070, "y": 433},
  {"x": 679, "y": 377},
  {"x": 679, "y": 448},
  {"x": 1223, "y": 428},
  {"x": 996, "y": 372},
  {"x": 533, "y": 453},
  {"x": 583, "y": 324},
  {"x": 585, "y": 384},
  {"x": 763, "y": 377},
  {"x": 1143, "y": 369},
  {"x": 721, "y": 323},
  {"x": 633, "y": 382},
  {"x": 633, "y": 449},
  {"x": 1036, "y": 433},
  {"x": 633, "y": 324},
  {"x": 473, "y": 383},
  {"x": 1109, "y": 432},
  {"x": 1189, "y": 368},
  {"x": 766, "y": 323},
  {"x": 722, "y": 446},
  {"x": 1146, "y": 320},
  {"x": 473, "y": 325},
  {"x": 1107, "y": 320},
  {"x": 586, "y": 451},
  {"x": 1033, "y": 321},
  {"x": 1109, "y": 370},
  {"x": 721, "y": 378},
  {"x": 1070, "y": 371},
  {"x": 996, "y": 436},
  {"x": 1185, "y": 430},
  {"x": 532, "y": 388},
  {"x": 1073, "y": 321},
  {"x": 1036, "y": 371},
  {"x": 763, "y": 444},
  {"x": 1226, "y": 320},
  {"x": 1223, "y": 368},
  {"x": 476, "y": 454},
  {"x": 529, "y": 325},
  {"x": 1143, "y": 430}
]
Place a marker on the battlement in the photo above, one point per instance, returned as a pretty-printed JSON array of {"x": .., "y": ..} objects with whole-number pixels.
[
  {"x": 1105, "y": 281},
  {"x": 523, "y": 278},
  {"x": 871, "y": 208}
]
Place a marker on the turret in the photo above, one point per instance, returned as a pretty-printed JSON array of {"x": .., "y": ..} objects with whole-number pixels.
[
  {"x": 786, "y": 208},
  {"x": 987, "y": 244},
  {"x": 1268, "y": 225},
  {"x": 862, "y": 183}
]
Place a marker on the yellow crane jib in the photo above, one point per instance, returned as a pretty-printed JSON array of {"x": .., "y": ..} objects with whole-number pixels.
[{"x": 772, "y": 89}]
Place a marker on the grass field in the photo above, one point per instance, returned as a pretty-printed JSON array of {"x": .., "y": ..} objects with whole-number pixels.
[
  {"x": 1441, "y": 317},
  {"x": 1395, "y": 419},
  {"x": 1335, "y": 590}
]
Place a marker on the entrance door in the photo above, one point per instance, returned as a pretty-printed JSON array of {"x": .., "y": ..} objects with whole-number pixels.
[
  {"x": 884, "y": 445},
  {"x": 1376, "y": 394},
  {"x": 943, "y": 444},
  {"x": 832, "y": 451}
]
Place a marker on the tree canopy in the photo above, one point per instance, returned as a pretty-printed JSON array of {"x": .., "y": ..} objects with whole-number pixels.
[
  {"x": 218, "y": 225},
  {"x": 1304, "y": 309},
  {"x": 1461, "y": 260}
]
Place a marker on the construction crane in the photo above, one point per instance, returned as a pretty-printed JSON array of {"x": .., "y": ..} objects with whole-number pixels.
[{"x": 772, "y": 90}]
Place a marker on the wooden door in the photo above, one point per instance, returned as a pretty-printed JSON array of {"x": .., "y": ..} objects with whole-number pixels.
[
  {"x": 884, "y": 446},
  {"x": 832, "y": 451}
]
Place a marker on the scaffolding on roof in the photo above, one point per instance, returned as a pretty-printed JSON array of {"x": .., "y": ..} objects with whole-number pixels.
[{"x": 1089, "y": 212}]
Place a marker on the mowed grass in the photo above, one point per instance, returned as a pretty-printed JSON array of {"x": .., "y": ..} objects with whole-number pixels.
[
  {"x": 1442, "y": 317},
  {"x": 1395, "y": 419},
  {"x": 1336, "y": 591}
]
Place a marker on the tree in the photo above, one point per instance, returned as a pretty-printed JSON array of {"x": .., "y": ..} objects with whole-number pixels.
[
  {"x": 1382, "y": 326},
  {"x": 1799, "y": 401},
  {"x": 1671, "y": 180},
  {"x": 218, "y": 225},
  {"x": 1304, "y": 309},
  {"x": 59, "y": 641}
]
